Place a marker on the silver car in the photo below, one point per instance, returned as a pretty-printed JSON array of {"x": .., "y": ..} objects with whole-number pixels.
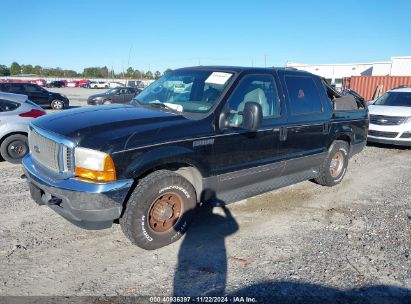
[
  {"x": 390, "y": 118},
  {"x": 16, "y": 113}
]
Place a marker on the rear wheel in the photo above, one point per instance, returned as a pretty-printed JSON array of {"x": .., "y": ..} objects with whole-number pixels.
[
  {"x": 334, "y": 167},
  {"x": 159, "y": 210},
  {"x": 14, "y": 148}
]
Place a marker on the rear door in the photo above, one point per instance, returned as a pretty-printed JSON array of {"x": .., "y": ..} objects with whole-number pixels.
[{"x": 306, "y": 132}]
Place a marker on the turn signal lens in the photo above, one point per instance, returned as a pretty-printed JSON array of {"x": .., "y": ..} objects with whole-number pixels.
[{"x": 94, "y": 165}]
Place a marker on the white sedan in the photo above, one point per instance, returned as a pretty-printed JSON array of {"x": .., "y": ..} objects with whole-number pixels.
[
  {"x": 99, "y": 85},
  {"x": 390, "y": 118}
]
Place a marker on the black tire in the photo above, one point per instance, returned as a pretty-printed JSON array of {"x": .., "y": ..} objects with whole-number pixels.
[
  {"x": 140, "y": 219},
  {"x": 14, "y": 148},
  {"x": 107, "y": 101},
  {"x": 57, "y": 104},
  {"x": 334, "y": 167}
]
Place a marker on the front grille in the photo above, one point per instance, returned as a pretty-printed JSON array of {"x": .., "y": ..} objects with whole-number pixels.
[
  {"x": 383, "y": 134},
  {"x": 51, "y": 154},
  {"x": 386, "y": 120}
]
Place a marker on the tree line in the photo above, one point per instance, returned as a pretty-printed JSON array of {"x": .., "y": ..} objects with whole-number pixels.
[{"x": 16, "y": 69}]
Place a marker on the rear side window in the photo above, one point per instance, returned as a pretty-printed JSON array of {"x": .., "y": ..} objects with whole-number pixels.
[
  {"x": 304, "y": 96},
  {"x": 13, "y": 88},
  {"x": 7, "y": 105}
]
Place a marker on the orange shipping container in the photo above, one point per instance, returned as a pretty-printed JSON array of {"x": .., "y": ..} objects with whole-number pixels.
[{"x": 366, "y": 86}]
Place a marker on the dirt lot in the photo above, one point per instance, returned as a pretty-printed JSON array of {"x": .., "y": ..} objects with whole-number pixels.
[{"x": 350, "y": 240}]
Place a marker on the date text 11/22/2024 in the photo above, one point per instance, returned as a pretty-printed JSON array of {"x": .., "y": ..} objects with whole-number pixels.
[{"x": 224, "y": 299}]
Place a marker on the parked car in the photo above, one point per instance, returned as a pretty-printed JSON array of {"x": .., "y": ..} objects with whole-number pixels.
[
  {"x": 390, "y": 118},
  {"x": 40, "y": 82},
  {"x": 16, "y": 113},
  {"x": 56, "y": 84},
  {"x": 72, "y": 84},
  {"x": 232, "y": 133},
  {"x": 37, "y": 94},
  {"x": 115, "y": 84},
  {"x": 116, "y": 95},
  {"x": 99, "y": 85},
  {"x": 83, "y": 82}
]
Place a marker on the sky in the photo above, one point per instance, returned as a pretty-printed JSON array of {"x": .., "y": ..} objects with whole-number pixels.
[{"x": 161, "y": 34}]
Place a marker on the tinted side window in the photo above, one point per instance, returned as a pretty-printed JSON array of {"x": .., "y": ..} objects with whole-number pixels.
[
  {"x": 256, "y": 88},
  {"x": 30, "y": 88},
  {"x": 7, "y": 105},
  {"x": 303, "y": 93}
]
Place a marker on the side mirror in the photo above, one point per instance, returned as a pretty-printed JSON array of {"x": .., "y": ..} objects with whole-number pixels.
[{"x": 252, "y": 116}]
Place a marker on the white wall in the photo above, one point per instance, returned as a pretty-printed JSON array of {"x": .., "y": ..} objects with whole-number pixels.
[
  {"x": 401, "y": 66},
  {"x": 398, "y": 66}
]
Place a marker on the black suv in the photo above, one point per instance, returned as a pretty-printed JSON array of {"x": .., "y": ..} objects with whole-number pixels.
[
  {"x": 205, "y": 134},
  {"x": 115, "y": 95},
  {"x": 56, "y": 84},
  {"x": 37, "y": 94}
]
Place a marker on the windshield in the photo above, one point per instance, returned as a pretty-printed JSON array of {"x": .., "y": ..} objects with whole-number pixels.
[
  {"x": 193, "y": 91},
  {"x": 396, "y": 99}
]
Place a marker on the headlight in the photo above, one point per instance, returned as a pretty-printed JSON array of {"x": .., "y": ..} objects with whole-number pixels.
[{"x": 94, "y": 165}]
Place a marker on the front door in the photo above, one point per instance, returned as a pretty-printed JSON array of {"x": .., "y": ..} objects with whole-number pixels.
[
  {"x": 37, "y": 94},
  {"x": 243, "y": 158}
]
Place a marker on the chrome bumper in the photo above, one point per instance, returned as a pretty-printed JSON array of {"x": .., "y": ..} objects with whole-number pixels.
[{"x": 87, "y": 205}]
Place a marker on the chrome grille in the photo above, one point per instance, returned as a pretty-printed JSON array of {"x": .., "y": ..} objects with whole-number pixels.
[
  {"x": 44, "y": 150},
  {"x": 382, "y": 134},
  {"x": 53, "y": 153},
  {"x": 386, "y": 120}
]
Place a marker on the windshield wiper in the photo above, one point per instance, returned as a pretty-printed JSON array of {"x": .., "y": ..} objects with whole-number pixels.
[{"x": 165, "y": 105}]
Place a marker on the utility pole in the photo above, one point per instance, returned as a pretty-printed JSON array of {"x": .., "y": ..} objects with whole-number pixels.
[{"x": 265, "y": 60}]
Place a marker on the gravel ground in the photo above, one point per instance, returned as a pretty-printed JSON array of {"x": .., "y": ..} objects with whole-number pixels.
[{"x": 349, "y": 242}]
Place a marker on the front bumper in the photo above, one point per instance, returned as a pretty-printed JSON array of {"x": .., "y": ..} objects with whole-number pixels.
[
  {"x": 393, "y": 135},
  {"x": 390, "y": 141},
  {"x": 86, "y": 205}
]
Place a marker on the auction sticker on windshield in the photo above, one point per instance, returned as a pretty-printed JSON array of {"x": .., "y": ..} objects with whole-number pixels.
[{"x": 218, "y": 78}]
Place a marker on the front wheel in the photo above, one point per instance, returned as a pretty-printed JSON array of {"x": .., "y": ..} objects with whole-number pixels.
[
  {"x": 159, "y": 210},
  {"x": 335, "y": 165},
  {"x": 57, "y": 104},
  {"x": 14, "y": 148}
]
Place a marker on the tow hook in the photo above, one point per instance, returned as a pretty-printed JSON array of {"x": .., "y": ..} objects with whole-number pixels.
[{"x": 23, "y": 176}]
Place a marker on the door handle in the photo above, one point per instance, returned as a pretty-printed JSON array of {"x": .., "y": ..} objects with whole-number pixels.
[
  {"x": 326, "y": 128},
  {"x": 283, "y": 133}
]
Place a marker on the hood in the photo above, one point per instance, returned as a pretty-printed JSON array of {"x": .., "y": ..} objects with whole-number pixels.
[
  {"x": 389, "y": 110},
  {"x": 98, "y": 95},
  {"x": 98, "y": 127}
]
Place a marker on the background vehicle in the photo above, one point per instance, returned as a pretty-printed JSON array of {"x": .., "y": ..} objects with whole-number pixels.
[
  {"x": 116, "y": 95},
  {"x": 205, "y": 134},
  {"x": 56, "y": 84},
  {"x": 40, "y": 82},
  {"x": 16, "y": 113},
  {"x": 115, "y": 84},
  {"x": 99, "y": 85},
  {"x": 83, "y": 82},
  {"x": 37, "y": 94},
  {"x": 390, "y": 118},
  {"x": 72, "y": 84}
]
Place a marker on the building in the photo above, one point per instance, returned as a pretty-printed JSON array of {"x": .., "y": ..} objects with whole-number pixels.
[{"x": 334, "y": 73}]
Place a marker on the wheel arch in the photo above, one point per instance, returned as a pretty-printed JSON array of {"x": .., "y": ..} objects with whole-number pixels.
[
  {"x": 12, "y": 133},
  {"x": 185, "y": 169}
]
